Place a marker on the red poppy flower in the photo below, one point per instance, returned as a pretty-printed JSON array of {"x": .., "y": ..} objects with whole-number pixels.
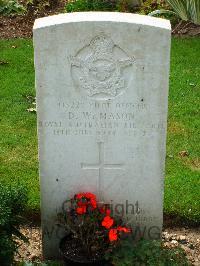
[
  {"x": 107, "y": 222},
  {"x": 123, "y": 229},
  {"x": 81, "y": 210},
  {"x": 113, "y": 235}
]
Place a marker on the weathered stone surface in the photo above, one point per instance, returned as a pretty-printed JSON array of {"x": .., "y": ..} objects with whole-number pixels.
[{"x": 102, "y": 89}]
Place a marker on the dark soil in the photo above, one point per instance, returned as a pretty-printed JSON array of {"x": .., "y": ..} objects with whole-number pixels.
[
  {"x": 184, "y": 28},
  {"x": 20, "y": 26}
]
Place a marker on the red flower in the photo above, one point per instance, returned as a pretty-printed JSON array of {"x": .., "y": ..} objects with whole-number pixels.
[
  {"x": 113, "y": 235},
  {"x": 89, "y": 195},
  {"x": 107, "y": 222},
  {"x": 123, "y": 229},
  {"x": 102, "y": 210},
  {"x": 81, "y": 210},
  {"x": 105, "y": 210},
  {"x": 79, "y": 196},
  {"x": 93, "y": 203},
  {"x": 81, "y": 203},
  {"x": 108, "y": 212},
  {"x": 85, "y": 199}
]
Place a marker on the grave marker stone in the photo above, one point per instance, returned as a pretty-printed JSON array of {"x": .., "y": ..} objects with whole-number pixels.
[{"x": 102, "y": 89}]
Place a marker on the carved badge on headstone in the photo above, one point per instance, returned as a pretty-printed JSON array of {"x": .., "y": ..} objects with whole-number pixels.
[{"x": 99, "y": 69}]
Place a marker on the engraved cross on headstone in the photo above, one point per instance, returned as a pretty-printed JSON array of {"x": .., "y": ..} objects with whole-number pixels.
[{"x": 100, "y": 166}]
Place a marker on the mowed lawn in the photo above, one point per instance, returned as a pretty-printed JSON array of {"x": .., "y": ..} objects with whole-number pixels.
[{"x": 18, "y": 141}]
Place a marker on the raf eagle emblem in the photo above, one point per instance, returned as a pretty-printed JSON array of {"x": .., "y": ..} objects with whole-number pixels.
[{"x": 98, "y": 71}]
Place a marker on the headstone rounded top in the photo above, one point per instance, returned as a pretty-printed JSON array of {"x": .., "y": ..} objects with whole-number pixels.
[
  {"x": 102, "y": 91},
  {"x": 101, "y": 16}
]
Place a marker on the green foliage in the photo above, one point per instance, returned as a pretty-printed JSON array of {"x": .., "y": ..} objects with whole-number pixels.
[
  {"x": 38, "y": 6},
  {"x": 158, "y": 8},
  {"x": 10, "y": 7},
  {"x": 149, "y": 6},
  {"x": 90, "y": 5},
  {"x": 148, "y": 253},
  {"x": 102, "y": 5},
  {"x": 12, "y": 204},
  {"x": 128, "y": 5},
  {"x": 188, "y": 10}
]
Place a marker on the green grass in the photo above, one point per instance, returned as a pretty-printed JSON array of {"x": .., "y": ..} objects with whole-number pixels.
[
  {"x": 182, "y": 183},
  {"x": 18, "y": 127}
]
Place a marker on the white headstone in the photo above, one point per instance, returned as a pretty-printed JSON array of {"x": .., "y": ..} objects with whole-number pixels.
[{"x": 102, "y": 89}]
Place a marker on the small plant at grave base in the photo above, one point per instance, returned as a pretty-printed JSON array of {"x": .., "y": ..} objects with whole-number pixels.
[
  {"x": 12, "y": 206},
  {"x": 148, "y": 253},
  {"x": 91, "y": 225}
]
